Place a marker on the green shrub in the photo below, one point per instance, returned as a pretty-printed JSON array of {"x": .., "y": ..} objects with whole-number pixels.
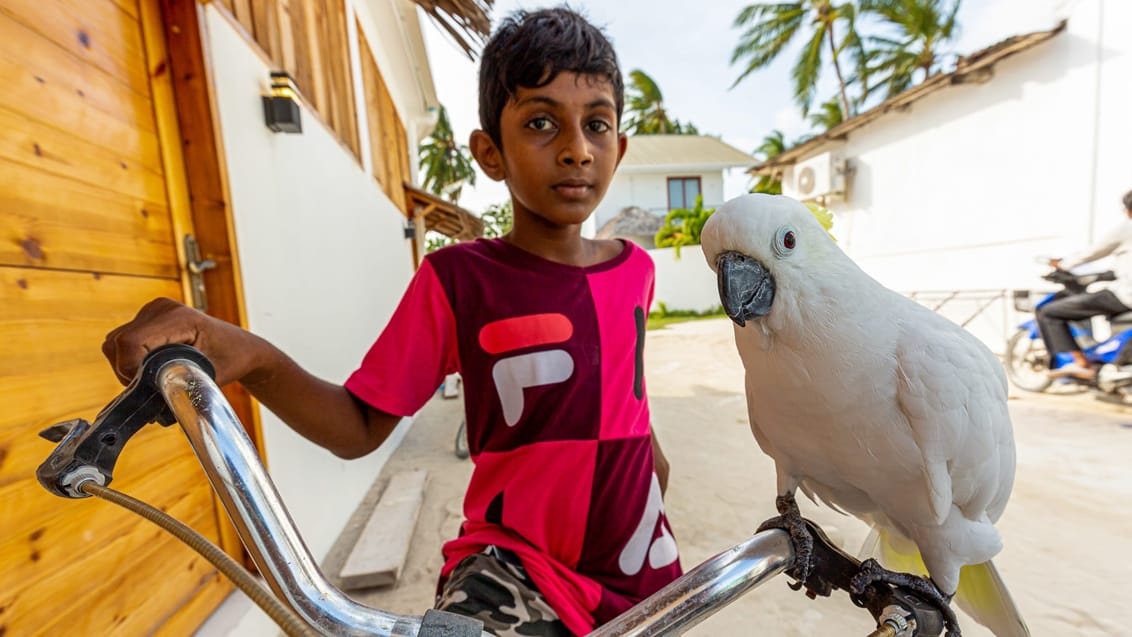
[
  {"x": 682, "y": 226},
  {"x": 663, "y": 316}
]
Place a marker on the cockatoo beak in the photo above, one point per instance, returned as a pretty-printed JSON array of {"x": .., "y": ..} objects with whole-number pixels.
[{"x": 746, "y": 288}]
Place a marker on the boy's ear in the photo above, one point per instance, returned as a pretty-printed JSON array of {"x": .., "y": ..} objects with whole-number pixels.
[
  {"x": 487, "y": 155},
  {"x": 622, "y": 146}
]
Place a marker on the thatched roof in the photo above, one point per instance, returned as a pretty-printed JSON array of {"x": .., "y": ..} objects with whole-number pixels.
[
  {"x": 631, "y": 222},
  {"x": 467, "y": 21}
]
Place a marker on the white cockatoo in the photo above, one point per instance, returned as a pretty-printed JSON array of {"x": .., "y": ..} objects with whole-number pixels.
[{"x": 868, "y": 401}]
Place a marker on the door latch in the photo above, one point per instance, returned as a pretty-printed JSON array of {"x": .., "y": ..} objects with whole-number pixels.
[{"x": 196, "y": 268}]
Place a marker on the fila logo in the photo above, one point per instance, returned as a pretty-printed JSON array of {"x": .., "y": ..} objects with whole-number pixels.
[
  {"x": 515, "y": 373},
  {"x": 660, "y": 551}
]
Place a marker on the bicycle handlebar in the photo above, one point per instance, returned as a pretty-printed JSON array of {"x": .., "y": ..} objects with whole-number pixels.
[
  {"x": 182, "y": 376},
  {"x": 175, "y": 382}
]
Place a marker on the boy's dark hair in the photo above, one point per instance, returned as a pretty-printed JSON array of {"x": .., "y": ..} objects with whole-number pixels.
[
  {"x": 1128, "y": 201},
  {"x": 530, "y": 49}
]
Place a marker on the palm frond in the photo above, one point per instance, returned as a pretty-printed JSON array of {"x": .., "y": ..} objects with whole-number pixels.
[
  {"x": 765, "y": 40},
  {"x": 807, "y": 70}
]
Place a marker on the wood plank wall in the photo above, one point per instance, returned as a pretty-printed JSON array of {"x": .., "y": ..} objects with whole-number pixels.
[
  {"x": 387, "y": 140},
  {"x": 88, "y": 233}
]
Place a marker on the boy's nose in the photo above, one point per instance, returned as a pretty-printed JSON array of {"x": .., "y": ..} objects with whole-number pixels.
[{"x": 575, "y": 150}]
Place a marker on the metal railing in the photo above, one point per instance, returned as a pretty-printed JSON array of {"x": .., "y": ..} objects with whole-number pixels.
[{"x": 989, "y": 314}]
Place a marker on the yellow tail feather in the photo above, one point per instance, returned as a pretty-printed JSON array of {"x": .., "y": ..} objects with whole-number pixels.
[{"x": 982, "y": 594}]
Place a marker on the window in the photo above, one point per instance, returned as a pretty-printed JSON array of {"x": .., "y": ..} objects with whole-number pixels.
[{"x": 682, "y": 192}]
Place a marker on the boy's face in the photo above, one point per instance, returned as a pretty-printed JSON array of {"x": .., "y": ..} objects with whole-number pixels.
[{"x": 560, "y": 147}]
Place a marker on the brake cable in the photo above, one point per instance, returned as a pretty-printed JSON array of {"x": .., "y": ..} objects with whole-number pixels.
[{"x": 288, "y": 621}]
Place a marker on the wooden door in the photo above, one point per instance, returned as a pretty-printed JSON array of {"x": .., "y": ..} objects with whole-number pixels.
[{"x": 93, "y": 209}]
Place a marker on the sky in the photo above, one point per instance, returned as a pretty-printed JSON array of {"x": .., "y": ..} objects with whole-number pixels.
[{"x": 686, "y": 48}]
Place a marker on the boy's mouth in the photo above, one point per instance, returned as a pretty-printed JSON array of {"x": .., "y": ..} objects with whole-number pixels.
[{"x": 572, "y": 188}]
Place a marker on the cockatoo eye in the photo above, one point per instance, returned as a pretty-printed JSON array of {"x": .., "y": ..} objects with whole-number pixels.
[{"x": 784, "y": 241}]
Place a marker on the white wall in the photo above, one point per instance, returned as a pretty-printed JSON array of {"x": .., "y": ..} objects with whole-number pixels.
[
  {"x": 323, "y": 263},
  {"x": 967, "y": 187},
  {"x": 649, "y": 190},
  {"x": 685, "y": 282}
]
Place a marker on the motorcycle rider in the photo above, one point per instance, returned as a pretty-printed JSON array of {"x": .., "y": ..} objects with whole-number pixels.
[{"x": 1116, "y": 298}]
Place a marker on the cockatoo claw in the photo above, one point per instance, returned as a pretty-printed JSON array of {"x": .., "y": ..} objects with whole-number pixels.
[
  {"x": 871, "y": 572},
  {"x": 790, "y": 520}
]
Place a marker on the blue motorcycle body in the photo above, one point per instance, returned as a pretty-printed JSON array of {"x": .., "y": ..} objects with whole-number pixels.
[
  {"x": 1103, "y": 353},
  {"x": 1028, "y": 363}
]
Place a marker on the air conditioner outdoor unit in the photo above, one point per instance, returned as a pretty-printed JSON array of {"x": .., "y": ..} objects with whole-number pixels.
[{"x": 819, "y": 177}]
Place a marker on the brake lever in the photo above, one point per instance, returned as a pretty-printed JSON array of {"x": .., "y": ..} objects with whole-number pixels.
[
  {"x": 88, "y": 452},
  {"x": 834, "y": 569}
]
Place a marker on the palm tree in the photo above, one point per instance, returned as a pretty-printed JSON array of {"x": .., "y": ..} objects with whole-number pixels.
[
  {"x": 685, "y": 128},
  {"x": 923, "y": 28},
  {"x": 771, "y": 27},
  {"x": 827, "y": 116},
  {"x": 645, "y": 112},
  {"x": 447, "y": 165},
  {"x": 773, "y": 144}
]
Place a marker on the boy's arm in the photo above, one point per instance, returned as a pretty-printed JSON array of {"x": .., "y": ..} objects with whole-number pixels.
[
  {"x": 660, "y": 464},
  {"x": 324, "y": 413}
]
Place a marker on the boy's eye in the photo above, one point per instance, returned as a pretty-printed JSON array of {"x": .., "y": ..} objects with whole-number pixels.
[
  {"x": 540, "y": 123},
  {"x": 598, "y": 126}
]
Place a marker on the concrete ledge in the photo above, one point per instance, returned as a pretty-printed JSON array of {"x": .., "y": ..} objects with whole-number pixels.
[{"x": 379, "y": 554}]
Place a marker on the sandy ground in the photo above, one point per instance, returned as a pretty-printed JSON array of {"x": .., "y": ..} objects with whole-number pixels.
[{"x": 1067, "y": 529}]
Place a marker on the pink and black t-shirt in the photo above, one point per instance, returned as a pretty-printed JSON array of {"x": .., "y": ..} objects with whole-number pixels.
[{"x": 557, "y": 415}]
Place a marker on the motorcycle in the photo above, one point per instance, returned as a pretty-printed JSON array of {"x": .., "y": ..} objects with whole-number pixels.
[{"x": 1028, "y": 361}]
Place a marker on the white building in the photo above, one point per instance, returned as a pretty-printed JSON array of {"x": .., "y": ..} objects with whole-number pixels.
[
  {"x": 663, "y": 172},
  {"x": 958, "y": 184}
]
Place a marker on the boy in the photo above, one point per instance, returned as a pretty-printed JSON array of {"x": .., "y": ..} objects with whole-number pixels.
[{"x": 565, "y": 527}]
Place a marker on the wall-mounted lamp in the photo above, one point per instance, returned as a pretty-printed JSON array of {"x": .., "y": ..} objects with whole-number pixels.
[
  {"x": 281, "y": 108},
  {"x": 410, "y": 231}
]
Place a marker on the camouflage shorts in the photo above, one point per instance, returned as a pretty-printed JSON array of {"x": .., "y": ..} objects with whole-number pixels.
[{"x": 492, "y": 586}]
